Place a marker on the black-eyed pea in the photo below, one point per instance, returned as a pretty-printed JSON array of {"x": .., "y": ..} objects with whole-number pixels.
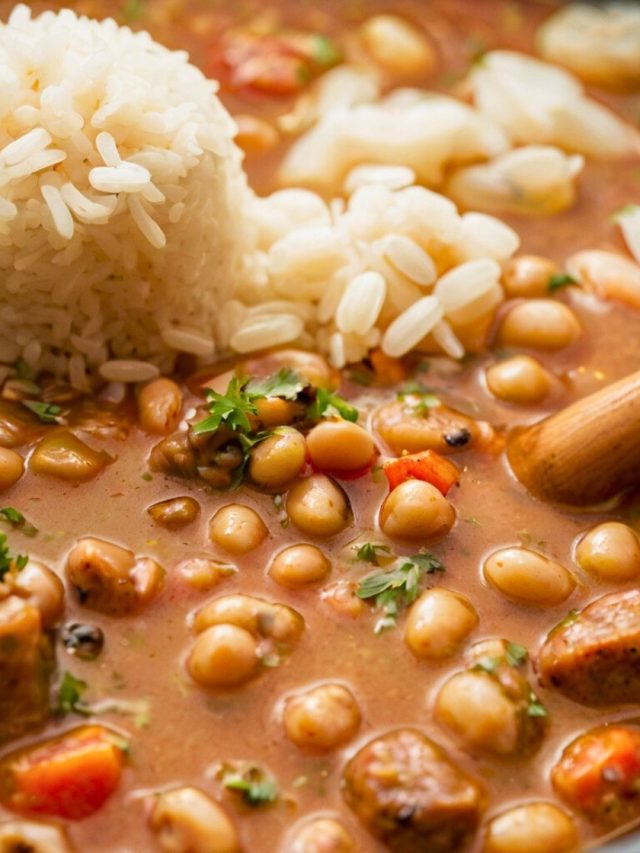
[
  {"x": 186, "y": 820},
  {"x": 237, "y": 529},
  {"x": 610, "y": 551},
  {"x": 534, "y": 827},
  {"x": 320, "y": 835},
  {"x": 416, "y": 510},
  {"x": 438, "y": 623},
  {"x": 159, "y": 406},
  {"x": 527, "y": 577},
  {"x": 11, "y": 468},
  {"x": 33, "y": 837},
  {"x": 520, "y": 379},
  {"x": 318, "y": 506},
  {"x": 528, "y": 276},
  {"x": 539, "y": 324},
  {"x": 223, "y": 656},
  {"x": 299, "y": 565},
  {"x": 323, "y": 718}
]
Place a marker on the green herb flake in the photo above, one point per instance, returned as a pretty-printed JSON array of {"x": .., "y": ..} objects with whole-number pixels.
[
  {"x": 360, "y": 377},
  {"x": 9, "y": 563},
  {"x": 325, "y": 50},
  {"x": 69, "y": 697},
  {"x": 286, "y": 384},
  {"x": 535, "y": 708},
  {"x": 368, "y": 553},
  {"x": 327, "y": 405},
  {"x": 560, "y": 280},
  {"x": 397, "y": 587},
  {"x": 516, "y": 654},
  {"x": 48, "y": 413},
  {"x": 16, "y": 519},
  {"x": 254, "y": 784},
  {"x": 488, "y": 664},
  {"x": 132, "y": 10},
  {"x": 232, "y": 408}
]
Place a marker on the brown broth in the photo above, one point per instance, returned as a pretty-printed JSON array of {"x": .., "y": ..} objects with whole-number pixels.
[{"x": 191, "y": 730}]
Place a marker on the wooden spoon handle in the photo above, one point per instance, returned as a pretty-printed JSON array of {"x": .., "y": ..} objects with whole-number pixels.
[{"x": 586, "y": 453}]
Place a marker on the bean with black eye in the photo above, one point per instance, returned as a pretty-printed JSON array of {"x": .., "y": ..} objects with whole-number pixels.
[
  {"x": 83, "y": 640},
  {"x": 458, "y": 437}
]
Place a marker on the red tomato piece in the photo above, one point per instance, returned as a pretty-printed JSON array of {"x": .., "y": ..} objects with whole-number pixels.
[{"x": 428, "y": 466}]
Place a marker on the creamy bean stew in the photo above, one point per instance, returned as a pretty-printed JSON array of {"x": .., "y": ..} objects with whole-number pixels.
[{"x": 266, "y": 604}]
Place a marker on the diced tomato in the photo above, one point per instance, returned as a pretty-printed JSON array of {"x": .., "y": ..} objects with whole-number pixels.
[
  {"x": 70, "y": 777},
  {"x": 599, "y": 773},
  {"x": 428, "y": 466}
]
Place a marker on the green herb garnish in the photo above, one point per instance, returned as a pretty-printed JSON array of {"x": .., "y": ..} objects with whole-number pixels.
[
  {"x": 231, "y": 409},
  {"x": 256, "y": 787},
  {"x": 16, "y": 519},
  {"x": 397, "y": 587},
  {"x": 325, "y": 51},
  {"x": 7, "y": 562},
  {"x": 560, "y": 280},
  {"x": 286, "y": 384},
  {"x": 535, "y": 708},
  {"x": 69, "y": 696},
  {"x": 132, "y": 9},
  {"x": 368, "y": 553},
  {"x": 47, "y": 412},
  {"x": 516, "y": 654},
  {"x": 329, "y": 405}
]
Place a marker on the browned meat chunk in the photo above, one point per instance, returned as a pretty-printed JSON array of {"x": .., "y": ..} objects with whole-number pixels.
[
  {"x": 26, "y": 664},
  {"x": 408, "y": 793},
  {"x": 594, "y": 656}
]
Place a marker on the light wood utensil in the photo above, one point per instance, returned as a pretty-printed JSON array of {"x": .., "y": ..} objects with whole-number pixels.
[{"x": 586, "y": 453}]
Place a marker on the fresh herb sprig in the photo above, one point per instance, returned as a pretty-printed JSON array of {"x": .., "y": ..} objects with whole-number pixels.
[
  {"x": 397, "y": 587},
  {"x": 17, "y": 520},
  {"x": 69, "y": 697},
  {"x": 560, "y": 280},
  {"x": 256, "y": 787},
  {"x": 48, "y": 413}
]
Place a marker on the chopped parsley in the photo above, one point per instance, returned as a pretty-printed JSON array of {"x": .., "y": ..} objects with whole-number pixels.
[
  {"x": 397, "y": 587},
  {"x": 329, "y": 405},
  {"x": 286, "y": 384},
  {"x": 325, "y": 51},
  {"x": 232, "y": 409},
  {"x": 7, "y": 562},
  {"x": 48, "y": 413},
  {"x": 16, "y": 519},
  {"x": 69, "y": 697},
  {"x": 516, "y": 654},
  {"x": 368, "y": 553},
  {"x": 560, "y": 280},
  {"x": 256, "y": 787},
  {"x": 535, "y": 708}
]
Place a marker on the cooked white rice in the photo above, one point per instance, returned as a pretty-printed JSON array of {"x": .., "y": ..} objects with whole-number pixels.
[{"x": 121, "y": 200}]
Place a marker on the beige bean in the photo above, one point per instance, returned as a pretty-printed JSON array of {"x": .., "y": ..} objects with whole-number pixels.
[
  {"x": 438, "y": 623},
  {"x": 520, "y": 379},
  {"x": 534, "y": 828},
  {"x": 528, "y": 577},
  {"x": 278, "y": 460},
  {"x": 159, "y": 406},
  {"x": 320, "y": 835},
  {"x": 528, "y": 276},
  {"x": 299, "y": 565},
  {"x": 11, "y": 468},
  {"x": 340, "y": 447},
  {"x": 261, "y": 618},
  {"x": 318, "y": 506},
  {"x": 610, "y": 551},
  {"x": 63, "y": 455},
  {"x": 42, "y": 588},
  {"x": 398, "y": 45},
  {"x": 237, "y": 529},
  {"x": 539, "y": 324},
  {"x": 254, "y": 134},
  {"x": 416, "y": 510},
  {"x": 202, "y": 573},
  {"x": 322, "y": 718},
  {"x": 186, "y": 820},
  {"x": 223, "y": 656},
  {"x": 26, "y": 836}
]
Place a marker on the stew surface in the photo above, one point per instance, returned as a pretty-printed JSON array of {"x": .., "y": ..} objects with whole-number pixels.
[{"x": 140, "y": 682}]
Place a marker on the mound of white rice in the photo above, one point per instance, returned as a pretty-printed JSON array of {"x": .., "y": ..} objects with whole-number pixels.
[{"x": 121, "y": 200}]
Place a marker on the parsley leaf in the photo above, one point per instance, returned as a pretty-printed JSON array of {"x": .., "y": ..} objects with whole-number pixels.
[
  {"x": 489, "y": 665},
  {"x": 560, "y": 280},
  {"x": 516, "y": 654},
  {"x": 368, "y": 553},
  {"x": 286, "y": 384},
  {"x": 69, "y": 696},
  {"x": 231, "y": 408},
  {"x": 7, "y": 562},
  {"x": 16, "y": 519},
  {"x": 535, "y": 708},
  {"x": 327, "y": 404},
  {"x": 325, "y": 52},
  {"x": 256, "y": 787},
  {"x": 397, "y": 587},
  {"x": 47, "y": 412}
]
